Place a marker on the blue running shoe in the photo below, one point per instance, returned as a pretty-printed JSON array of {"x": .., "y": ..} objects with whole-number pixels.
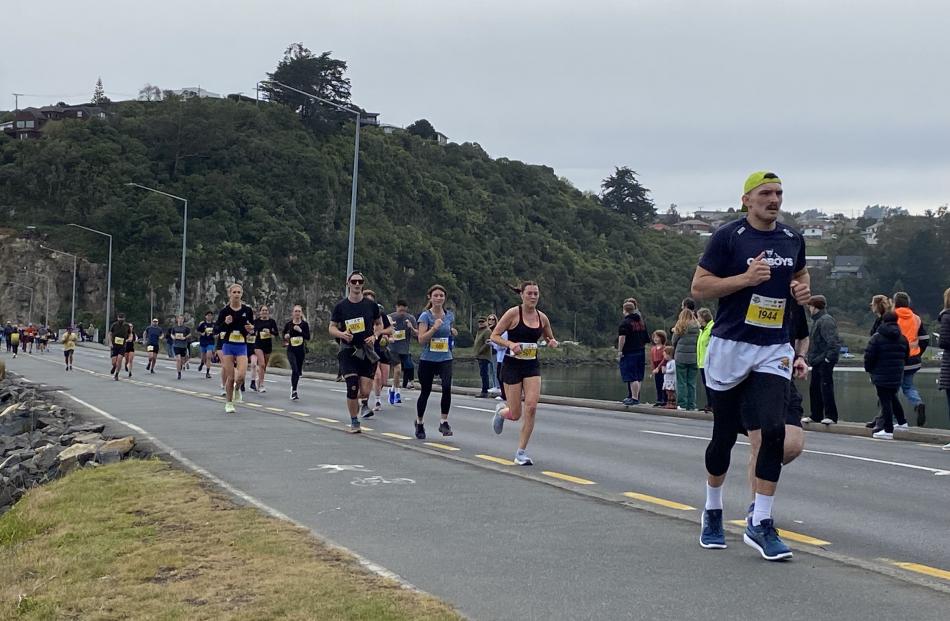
[
  {"x": 398, "y": 400},
  {"x": 713, "y": 536},
  {"x": 765, "y": 539},
  {"x": 498, "y": 421},
  {"x": 392, "y": 397}
]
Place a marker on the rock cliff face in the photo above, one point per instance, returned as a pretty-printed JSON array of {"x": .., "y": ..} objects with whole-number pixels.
[
  {"x": 203, "y": 292},
  {"x": 18, "y": 255}
]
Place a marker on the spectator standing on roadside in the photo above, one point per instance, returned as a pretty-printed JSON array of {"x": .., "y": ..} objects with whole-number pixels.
[
  {"x": 944, "y": 381},
  {"x": 705, "y": 331},
  {"x": 823, "y": 351},
  {"x": 884, "y": 360},
  {"x": 631, "y": 356},
  {"x": 685, "y": 337},
  {"x": 658, "y": 362},
  {"x": 483, "y": 355},
  {"x": 493, "y": 381},
  {"x": 918, "y": 339}
]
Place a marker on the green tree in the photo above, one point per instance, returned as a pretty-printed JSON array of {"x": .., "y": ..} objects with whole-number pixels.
[
  {"x": 621, "y": 192},
  {"x": 321, "y": 75},
  {"x": 423, "y": 129},
  {"x": 99, "y": 94}
]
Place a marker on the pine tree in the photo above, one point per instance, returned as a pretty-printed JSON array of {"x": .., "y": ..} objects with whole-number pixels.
[{"x": 99, "y": 95}]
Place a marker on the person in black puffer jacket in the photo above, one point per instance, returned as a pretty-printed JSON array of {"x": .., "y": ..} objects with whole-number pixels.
[{"x": 884, "y": 360}]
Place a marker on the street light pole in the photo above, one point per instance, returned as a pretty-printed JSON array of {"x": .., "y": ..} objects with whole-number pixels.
[
  {"x": 72, "y": 315},
  {"x": 184, "y": 240},
  {"x": 29, "y": 316},
  {"x": 109, "y": 273},
  {"x": 356, "y": 163}
]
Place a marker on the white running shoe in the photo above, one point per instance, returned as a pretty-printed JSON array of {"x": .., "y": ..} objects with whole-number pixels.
[
  {"x": 806, "y": 420},
  {"x": 902, "y": 426},
  {"x": 827, "y": 421},
  {"x": 262, "y": 390},
  {"x": 378, "y": 406},
  {"x": 229, "y": 408},
  {"x": 883, "y": 435},
  {"x": 522, "y": 459}
]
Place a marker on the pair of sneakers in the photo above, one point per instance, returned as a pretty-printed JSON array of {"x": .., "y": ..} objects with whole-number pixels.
[
  {"x": 498, "y": 425},
  {"x": 762, "y": 537},
  {"x": 394, "y": 397},
  {"x": 444, "y": 429}
]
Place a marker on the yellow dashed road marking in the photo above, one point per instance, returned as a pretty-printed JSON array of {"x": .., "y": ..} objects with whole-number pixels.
[
  {"x": 444, "y": 447},
  {"x": 659, "y": 501},
  {"x": 791, "y": 535},
  {"x": 924, "y": 569},
  {"x": 568, "y": 478},
  {"x": 497, "y": 460}
]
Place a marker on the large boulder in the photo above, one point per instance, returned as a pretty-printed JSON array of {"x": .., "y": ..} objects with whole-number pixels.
[
  {"x": 74, "y": 456},
  {"x": 114, "y": 450}
]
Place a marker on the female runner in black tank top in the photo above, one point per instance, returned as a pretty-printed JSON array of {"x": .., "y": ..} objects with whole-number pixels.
[{"x": 521, "y": 370}]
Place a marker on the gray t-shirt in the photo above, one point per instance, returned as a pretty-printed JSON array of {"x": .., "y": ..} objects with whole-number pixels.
[{"x": 404, "y": 326}]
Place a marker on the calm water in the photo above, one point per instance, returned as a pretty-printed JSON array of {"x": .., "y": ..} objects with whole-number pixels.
[{"x": 857, "y": 401}]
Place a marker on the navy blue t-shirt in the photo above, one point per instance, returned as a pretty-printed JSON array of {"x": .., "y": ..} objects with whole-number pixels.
[{"x": 758, "y": 315}]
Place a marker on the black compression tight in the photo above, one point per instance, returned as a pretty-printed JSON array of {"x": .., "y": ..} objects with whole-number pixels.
[
  {"x": 427, "y": 372},
  {"x": 295, "y": 357},
  {"x": 758, "y": 403}
]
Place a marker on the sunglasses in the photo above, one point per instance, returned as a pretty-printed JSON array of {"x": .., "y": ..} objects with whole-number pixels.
[{"x": 356, "y": 281}]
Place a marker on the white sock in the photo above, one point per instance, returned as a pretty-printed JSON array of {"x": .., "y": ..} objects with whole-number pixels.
[
  {"x": 713, "y": 497},
  {"x": 762, "y": 509}
]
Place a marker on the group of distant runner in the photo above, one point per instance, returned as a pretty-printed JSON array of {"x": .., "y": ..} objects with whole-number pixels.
[{"x": 754, "y": 266}]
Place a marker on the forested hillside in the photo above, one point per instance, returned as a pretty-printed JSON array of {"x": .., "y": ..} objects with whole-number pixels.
[{"x": 269, "y": 203}]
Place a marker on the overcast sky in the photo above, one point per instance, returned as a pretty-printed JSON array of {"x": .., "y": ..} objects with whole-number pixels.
[{"x": 848, "y": 101}]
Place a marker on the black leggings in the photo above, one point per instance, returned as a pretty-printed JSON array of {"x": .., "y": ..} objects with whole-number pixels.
[
  {"x": 758, "y": 403},
  {"x": 890, "y": 407},
  {"x": 427, "y": 372},
  {"x": 295, "y": 356}
]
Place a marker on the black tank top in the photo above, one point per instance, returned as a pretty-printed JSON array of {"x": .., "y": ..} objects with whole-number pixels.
[{"x": 523, "y": 333}]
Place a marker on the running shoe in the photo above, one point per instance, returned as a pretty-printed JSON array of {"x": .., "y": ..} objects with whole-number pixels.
[
  {"x": 444, "y": 428},
  {"x": 420, "y": 431},
  {"x": 224, "y": 393},
  {"x": 179, "y": 375},
  {"x": 398, "y": 399},
  {"x": 262, "y": 390},
  {"x": 883, "y": 435},
  {"x": 630, "y": 401},
  {"x": 254, "y": 385},
  {"x": 498, "y": 421},
  {"x": 130, "y": 373},
  {"x": 378, "y": 406},
  {"x": 827, "y": 421},
  {"x": 946, "y": 447},
  {"x": 902, "y": 426},
  {"x": 355, "y": 427},
  {"x": 200, "y": 366},
  {"x": 293, "y": 396},
  {"x": 365, "y": 412},
  {"x": 712, "y": 536},
  {"x": 765, "y": 539},
  {"x": 392, "y": 397},
  {"x": 229, "y": 408},
  {"x": 153, "y": 372},
  {"x": 806, "y": 420},
  {"x": 522, "y": 459}
]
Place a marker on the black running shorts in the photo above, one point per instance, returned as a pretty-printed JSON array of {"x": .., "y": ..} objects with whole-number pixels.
[
  {"x": 351, "y": 365},
  {"x": 513, "y": 371}
]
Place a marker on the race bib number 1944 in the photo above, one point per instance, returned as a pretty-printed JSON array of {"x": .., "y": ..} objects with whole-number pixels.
[{"x": 765, "y": 312}]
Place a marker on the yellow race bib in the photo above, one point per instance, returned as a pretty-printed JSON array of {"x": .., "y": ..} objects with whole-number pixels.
[
  {"x": 209, "y": 331},
  {"x": 150, "y": 348},
  {"x": 251, "y": 339},
  {"x": 265, "y": 333},
  {"x": 399, "y": 335},
  {"x": 529, "y": 351},
  {"x": 296, "y": 341},
  {"x": 179, "y": 336},
  {"x": 235, "y": 337},
  {"x": 119, "y": 340},
  {"x": 440, "y": 345},
  {"x": 765, "y": 312},
  {"x": 355, "y": 325}
]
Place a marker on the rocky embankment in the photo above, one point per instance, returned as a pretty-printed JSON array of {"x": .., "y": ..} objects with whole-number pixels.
[{"x": 40, "y": 441}]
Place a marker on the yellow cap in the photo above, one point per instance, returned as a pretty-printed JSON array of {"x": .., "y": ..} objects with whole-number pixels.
[{"x": 760, "y": 178}]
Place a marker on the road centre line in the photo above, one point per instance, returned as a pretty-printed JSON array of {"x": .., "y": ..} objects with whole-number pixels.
[
  {"x": 497, "y": 460},
  {"x": 791, "y": 535},
  {"x": 444, "y": 447},
  {"x": 274, "y": 409},
  {"x": 935, "y": 471},
  {"x": 659, "y": 501},
  {"x": 924, "y": 569},
  {"x": 304, "y": 414},
  {"x": 568, "y": 478},
  {"x": 466, "y": 407},
  {"x": 327, "y": 420},
  {"x": 398, "y": 436}
]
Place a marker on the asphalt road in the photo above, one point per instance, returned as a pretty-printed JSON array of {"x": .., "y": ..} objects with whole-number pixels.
[{"x": 558, "y": 540}]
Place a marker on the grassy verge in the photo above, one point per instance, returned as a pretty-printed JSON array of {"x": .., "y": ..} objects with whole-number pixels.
[{"x": 140, "y": 539}]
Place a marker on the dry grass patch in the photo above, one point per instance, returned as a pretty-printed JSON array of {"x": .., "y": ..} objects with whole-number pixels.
[{"x": 142, "y": 540}]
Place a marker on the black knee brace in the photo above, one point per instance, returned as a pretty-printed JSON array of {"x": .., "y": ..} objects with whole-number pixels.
[
  {"x": 352, "y": 386},
  {"x": 768, "y": 465}
]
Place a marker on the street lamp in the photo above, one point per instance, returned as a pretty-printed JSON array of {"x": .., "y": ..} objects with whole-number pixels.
[
  {"x": 184, "y": 240},
  {"x": 46, "y": 276},
  {"x": 30, "y": 314},
  {"x": 108, "y": 275},
  {"x": 356, "y": 163},
  {"x": 72, "y": 314}
]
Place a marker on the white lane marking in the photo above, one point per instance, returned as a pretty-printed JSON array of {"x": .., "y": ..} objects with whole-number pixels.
[
  {"x": 466, "y": 407},
  {"x": 936, "y": 471},
  {"x": 190, "y": 465}
]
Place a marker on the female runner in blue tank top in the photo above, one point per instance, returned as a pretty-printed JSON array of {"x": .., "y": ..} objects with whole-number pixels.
[
  {"x": 521, "y": 369},
  {"x": 436, "y": 329}
]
